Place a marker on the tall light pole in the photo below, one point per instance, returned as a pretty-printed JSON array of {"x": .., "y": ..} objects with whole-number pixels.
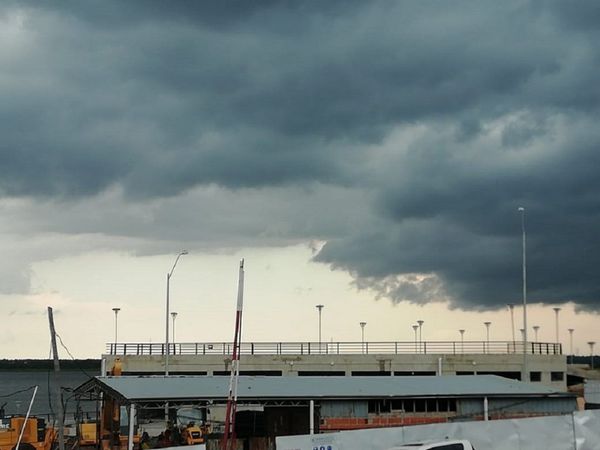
[
  {"x": 536, "y": 328},
  {"x": 591, "y": 344},
  {"x": 525, "y": 373},
  {"x": 169, "y": 275},
  {"x": 420, "y": 322},
  {"x": 174, "y": 316},
  {"x": 511, "y": 307},
  {"x": 571, "y": 343},
  {"x": 116, "y": 310},
  {"x": 415, "y": 328},
  {"x": 556, "y": 311},
  {"x": 362, "y": 330},
  {"x": 320, "y": 308},
  {"x": 487, "y": 334},
  {"x": 462, "y": 340}
]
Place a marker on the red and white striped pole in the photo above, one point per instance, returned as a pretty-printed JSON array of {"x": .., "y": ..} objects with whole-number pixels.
[{"x": 228, "y": 442}]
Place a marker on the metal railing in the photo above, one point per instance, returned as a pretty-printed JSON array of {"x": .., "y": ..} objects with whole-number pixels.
[{"x": 335, "y": 348}]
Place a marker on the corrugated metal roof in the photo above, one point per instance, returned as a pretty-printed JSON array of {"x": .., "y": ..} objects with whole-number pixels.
[{"x": 152, "y": 388}]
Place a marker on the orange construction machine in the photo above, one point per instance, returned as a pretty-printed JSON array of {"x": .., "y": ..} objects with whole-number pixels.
[{"x": 35, "y": 434}]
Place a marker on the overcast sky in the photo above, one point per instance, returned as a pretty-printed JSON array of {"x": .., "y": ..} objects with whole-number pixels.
[{"x": 367, "y": 154}]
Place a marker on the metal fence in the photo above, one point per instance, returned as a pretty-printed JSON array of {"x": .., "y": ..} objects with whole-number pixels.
[{"x": 336, "y": 348}]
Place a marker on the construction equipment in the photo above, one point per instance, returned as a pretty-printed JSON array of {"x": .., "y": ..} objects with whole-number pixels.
[
  {"x": 193, "y": 434},
  {"x": 33, "y": 431},
  {"x": 87, "y": 434}
]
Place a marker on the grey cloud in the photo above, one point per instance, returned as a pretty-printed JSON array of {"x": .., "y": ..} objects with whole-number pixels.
[{"x": 159, "y": 101}]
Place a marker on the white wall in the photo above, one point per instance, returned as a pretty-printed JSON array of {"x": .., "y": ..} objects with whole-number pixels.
[{"x": 577, "y": 431}]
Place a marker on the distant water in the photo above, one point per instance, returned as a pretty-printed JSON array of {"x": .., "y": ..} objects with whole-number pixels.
[{"x": 12, "y": 381}]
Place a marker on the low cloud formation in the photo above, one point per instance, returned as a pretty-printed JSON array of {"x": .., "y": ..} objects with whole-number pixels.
[{"x": 405, "y": 134}]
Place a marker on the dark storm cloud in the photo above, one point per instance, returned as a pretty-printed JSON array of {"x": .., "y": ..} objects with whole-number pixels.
[{"x": 451, "y": 115}]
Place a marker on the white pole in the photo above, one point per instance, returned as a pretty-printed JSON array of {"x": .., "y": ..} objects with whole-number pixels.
[
  {"x": 416, "y": 327},
  {"x": 420, "y": 322},
  {"x": 511, "y": 307},
  {"x": 362, "y": 331},
  {"x": 485, "y": 409},
  {"x": 116, "y": 310},
  {"x": 525, "y": 372},
  {"x": 131, "y": 426},
  {"x": 439, "y": 367},
  {"x": 556, "y": 311},
  {"x": 27, "y": 417},
  {"x": 320, "y": 307},
  {"x": 571, "y": 343},
  {"x": 312, "y": 417},
  {"x": 174, "y": 316},
  {"x": 169, "y": 275}
]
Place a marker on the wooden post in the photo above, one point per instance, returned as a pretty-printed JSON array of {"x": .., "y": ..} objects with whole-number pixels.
[{"x": 57, "y": 396}]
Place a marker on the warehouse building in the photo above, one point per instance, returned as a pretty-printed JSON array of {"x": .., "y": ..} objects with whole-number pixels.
[{"x": 277, "y": 406}]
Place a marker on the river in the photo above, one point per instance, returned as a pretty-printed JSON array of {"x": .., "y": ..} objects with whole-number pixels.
[{"x": 16, "y": 389}]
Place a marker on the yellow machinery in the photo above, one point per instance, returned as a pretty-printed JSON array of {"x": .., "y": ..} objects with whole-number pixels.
[
  {"x": 88, "y": 434},
  {"x": 35, "y": 434},
  {"x": 193, "y": 434}
]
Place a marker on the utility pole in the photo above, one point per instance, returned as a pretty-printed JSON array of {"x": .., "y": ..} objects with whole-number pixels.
[
  {"x": 511, "y": 308},
  {"x": 57, "y": 396},
  {"x": 525, "y": 371}
]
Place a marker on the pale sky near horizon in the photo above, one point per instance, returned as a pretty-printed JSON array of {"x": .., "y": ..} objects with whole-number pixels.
[
  {"x": 282, "y": 290},
  {"x": 370, "y": 156}
]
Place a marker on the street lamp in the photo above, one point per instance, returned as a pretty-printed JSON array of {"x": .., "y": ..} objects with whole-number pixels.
[
  {"x": 511, "y": 307},
  {"x": 420, "y": 322},
  {"x": 591, "y": 344},
  {"x": 487, "y": 334},
  {"x": 362, "y": 330},
  {"x": 415, "y": 328},
  {"x": 556, "y": 311},
  {"x": 174, "y": 316},
  {"x": 462, "y": 340},
  {"x": 320, "y": 308},
  {"x": 571, "y": 343},
  {"x": 536, "y": 328},
  {"x": 116, "y": 310},
  {"x": 525, "y": 373},
  {"x": 169, "y": 275}
]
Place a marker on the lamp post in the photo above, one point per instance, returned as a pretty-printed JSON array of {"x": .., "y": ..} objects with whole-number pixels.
[
  {"x": 556, "y": 311},
  {"x": 536, "y": 328},
  {"x": 420, "y": 322},
  {"x": 487, "y": 335},
  {"x": 116, "y": 310},
  {"x": 362, "y": 330},
  {"x": 525, "y": 373},
  {"x": 591, "y": 344},
  {"x": 174, "y": 316},
  {"x": 462, "y": 340},
  {"x": 571, "y": 343},
  {"x": 320, "y": 308},
  {"x": 415, "y": 328},
  {"x": 169, "y": 275},
  {"x": 511, "y": 308}
]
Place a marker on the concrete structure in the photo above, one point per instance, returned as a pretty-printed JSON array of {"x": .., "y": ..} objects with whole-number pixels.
[{"x": 546, "y": 364}]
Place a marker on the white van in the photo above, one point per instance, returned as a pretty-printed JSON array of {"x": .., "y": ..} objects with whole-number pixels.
[{"x": 437, "y": 445}]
